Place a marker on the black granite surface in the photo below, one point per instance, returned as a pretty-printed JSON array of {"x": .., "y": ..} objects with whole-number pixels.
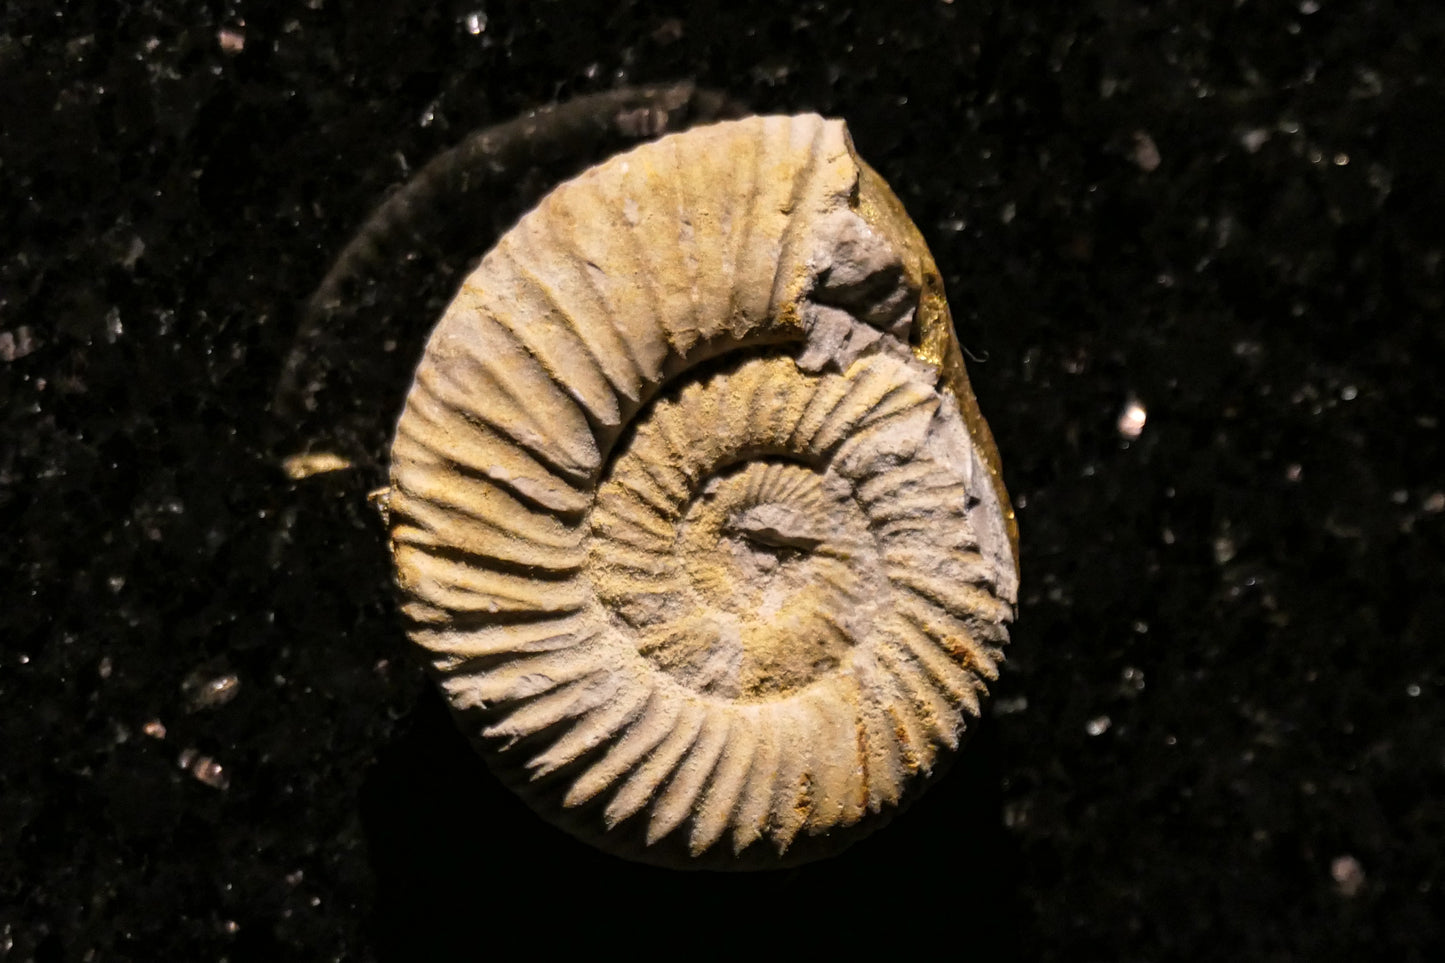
[{"x": 1221, "y": 731}]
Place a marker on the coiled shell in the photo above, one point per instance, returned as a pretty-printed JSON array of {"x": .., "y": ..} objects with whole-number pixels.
[{"x": 692, "y": 509}]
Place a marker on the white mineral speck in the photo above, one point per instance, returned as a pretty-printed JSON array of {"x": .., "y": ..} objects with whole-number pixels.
[
  {"x": 204, "y": 769},
  {"x": 1348, "y": 874},
  {"x": 1009, "y": 707},
  {"x": 1132, "y": 419},
  {"x": 1146, "y": 152},
  {"x": 231, "y": 39},
  {"x": 1253, "y": 140},
  {"x": 1224, "y": 549}
]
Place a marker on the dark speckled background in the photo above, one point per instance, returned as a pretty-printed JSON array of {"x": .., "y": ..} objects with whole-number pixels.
[{"x": 1221, "y": 731}]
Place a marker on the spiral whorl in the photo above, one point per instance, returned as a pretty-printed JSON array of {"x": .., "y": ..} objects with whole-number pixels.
[{"x": 692, "y": 510}]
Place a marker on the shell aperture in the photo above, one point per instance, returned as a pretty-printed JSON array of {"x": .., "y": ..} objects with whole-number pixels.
[{"x": 692, "y": 510}]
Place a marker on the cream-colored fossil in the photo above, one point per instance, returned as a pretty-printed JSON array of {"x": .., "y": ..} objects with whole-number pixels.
[{"x": 692, "y": 508}]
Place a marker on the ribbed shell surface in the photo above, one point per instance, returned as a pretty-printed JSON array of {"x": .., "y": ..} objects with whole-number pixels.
[{"x": 702, "y": 548}]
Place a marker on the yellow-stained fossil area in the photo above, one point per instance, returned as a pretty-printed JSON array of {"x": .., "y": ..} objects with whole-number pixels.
[
  {"x": 933, "y": 338},
  {"x": 693, "y": 512}
]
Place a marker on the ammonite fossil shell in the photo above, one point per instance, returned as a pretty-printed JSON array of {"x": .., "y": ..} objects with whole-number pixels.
[{"x": 692, "y": 509}]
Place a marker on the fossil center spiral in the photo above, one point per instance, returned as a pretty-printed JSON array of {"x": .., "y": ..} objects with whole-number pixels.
[{"x": 759, "y": 575}]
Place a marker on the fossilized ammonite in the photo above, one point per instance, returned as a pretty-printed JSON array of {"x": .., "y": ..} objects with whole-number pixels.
[{"x": 692, "y": 509}]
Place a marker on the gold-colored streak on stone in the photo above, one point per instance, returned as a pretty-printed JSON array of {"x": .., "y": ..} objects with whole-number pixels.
[
  {"x": 934, "y": 338},
  {"x": 305, "y": 465}
]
